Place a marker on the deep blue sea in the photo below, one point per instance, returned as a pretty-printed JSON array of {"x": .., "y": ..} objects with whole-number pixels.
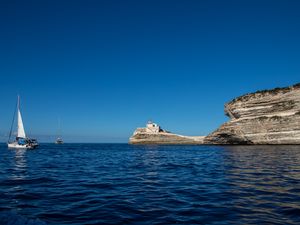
[{"x": 125, "y": 184}]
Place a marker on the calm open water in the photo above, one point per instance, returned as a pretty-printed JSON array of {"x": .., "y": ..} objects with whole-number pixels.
[{"x": 124, "y": 184}]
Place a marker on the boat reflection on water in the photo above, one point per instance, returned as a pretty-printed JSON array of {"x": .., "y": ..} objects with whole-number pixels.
[
  {"x": 17, "y": 177},
  {"x": 20, "y": 166}
]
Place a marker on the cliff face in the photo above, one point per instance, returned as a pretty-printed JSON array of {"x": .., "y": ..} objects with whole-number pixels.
[
  {"x": 264, "y": 117},
  {"x": 142, "y": 136}
]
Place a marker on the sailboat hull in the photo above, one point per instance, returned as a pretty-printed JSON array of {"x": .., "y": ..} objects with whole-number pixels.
[{"x": 15, "y": 145}]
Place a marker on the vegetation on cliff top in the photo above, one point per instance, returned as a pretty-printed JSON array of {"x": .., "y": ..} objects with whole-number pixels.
[{"x": 262, "y": 93}]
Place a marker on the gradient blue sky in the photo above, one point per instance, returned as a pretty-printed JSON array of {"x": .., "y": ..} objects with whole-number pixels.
[{"x": 106, "y": 67}]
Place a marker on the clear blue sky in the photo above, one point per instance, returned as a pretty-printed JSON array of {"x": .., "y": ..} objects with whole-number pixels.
[{"x": 106, "y": 67}]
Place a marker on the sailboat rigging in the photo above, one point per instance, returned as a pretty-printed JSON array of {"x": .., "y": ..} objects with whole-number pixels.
[{"x": 21, "y": 140}]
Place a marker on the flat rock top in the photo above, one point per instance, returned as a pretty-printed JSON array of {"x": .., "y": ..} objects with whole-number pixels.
[{"x": 141, "y": 135}]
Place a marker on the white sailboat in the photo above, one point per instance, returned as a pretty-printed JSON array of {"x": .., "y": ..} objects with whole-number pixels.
[{"x": 21, "y": 140}]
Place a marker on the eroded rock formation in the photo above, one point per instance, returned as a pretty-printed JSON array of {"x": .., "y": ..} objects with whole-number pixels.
[{"x": 264, "y": 117}]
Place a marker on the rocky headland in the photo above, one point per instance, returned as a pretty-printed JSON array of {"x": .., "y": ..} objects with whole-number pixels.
[
  {"x": 154, "y": 134},
  {"x": 263, "y": 117}
]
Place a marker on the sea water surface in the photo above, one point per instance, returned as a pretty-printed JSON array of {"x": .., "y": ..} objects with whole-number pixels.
[{"x": 125, "y": 184}]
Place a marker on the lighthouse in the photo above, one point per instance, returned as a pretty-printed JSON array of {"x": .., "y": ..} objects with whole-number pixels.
[{"x": 152, "y": 127}]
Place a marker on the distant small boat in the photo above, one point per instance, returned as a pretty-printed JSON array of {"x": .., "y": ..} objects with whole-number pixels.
[
  {"x": 21, "y": 140},
  {"x": 59, "y": 141}
]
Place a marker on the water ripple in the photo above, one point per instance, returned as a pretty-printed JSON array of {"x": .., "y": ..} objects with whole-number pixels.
[{"x": 123, "y": 184}]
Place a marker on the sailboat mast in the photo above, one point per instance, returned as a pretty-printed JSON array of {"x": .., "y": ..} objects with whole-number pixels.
[
  {"x": 59, "y": 129},
  {"x": 13, "y": 120},
  {"x": 18, "y": 122},
  {"x": 19, "y": 102},
  {"x": 21, "y": 131}
]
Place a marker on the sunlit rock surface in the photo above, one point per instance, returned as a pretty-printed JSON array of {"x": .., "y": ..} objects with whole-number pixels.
[
  {"x": 264, "y": 117},
  {"x": 154, "y": 134}
]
